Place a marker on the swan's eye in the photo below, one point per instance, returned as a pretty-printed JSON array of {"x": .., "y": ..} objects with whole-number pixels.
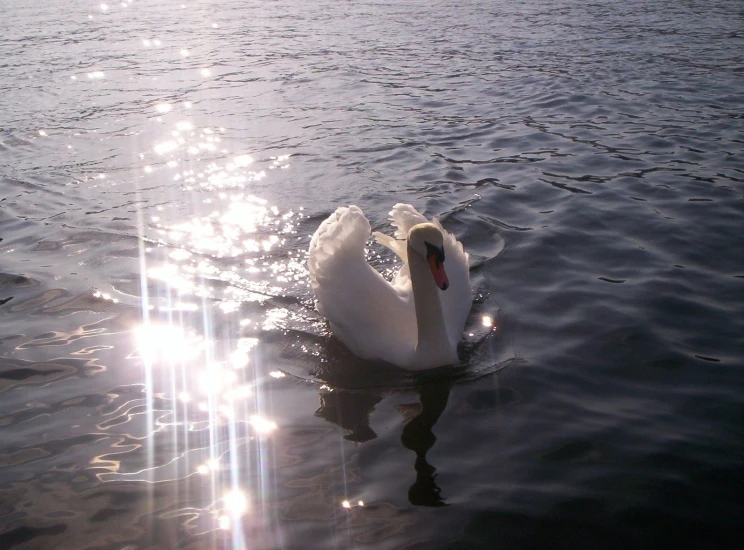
[
  {"x": 435, "y": 257},
  {"x": 436, "y": 251}
]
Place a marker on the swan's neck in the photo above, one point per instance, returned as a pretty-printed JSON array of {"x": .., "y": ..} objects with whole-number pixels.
[{"x": 432, "y": 345}]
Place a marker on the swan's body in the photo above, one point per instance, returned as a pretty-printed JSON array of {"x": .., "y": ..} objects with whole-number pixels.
[{"x": 416, "y": 321}]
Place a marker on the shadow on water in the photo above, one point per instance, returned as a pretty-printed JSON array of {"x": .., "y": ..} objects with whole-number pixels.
[
  {"x": 418, "y": 436},
  {"x": 350, "y": 389},
  {"x": 351, "y": 411}
]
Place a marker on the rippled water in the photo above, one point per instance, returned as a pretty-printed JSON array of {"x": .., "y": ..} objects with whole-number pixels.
[{"x": 165, "y": 381}]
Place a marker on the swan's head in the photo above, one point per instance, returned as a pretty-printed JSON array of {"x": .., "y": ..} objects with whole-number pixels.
[{"x": 426, "y": 240}]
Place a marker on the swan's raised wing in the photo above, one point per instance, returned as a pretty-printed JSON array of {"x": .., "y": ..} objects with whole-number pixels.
[
  {"x": 343, "y": 233},
  {"x": 373, "y": 319},
  {"x": 397, "y": 246},
  {"x": 457, "y": 300},
  {"x": 404, "y": 217}
]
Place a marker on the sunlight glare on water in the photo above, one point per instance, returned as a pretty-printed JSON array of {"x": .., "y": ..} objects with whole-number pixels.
[
  {"x": 166, "y": 343},
  {"x": 228, "y": 234}
]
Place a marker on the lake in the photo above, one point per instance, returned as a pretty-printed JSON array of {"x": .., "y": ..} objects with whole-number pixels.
[{"x": 165, "y": 379}]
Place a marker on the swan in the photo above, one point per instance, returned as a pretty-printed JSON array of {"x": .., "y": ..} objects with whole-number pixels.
[{"x": 415, "y": 321}]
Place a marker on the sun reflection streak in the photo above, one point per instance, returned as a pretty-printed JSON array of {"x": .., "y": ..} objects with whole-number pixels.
[
  {"x": 240, "y": 392},
  {"x": 215, "y": 379},
  {"x": 262, "y": 425},
  {"x": 236, "y": 502},
  {"x": 166, "y": 343},
  {"x": 206, "y": 258}
]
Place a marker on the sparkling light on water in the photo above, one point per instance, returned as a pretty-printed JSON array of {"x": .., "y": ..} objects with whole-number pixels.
[
  {"x": 166, "y": 343},
  {"x": 236, "y": 502},
  {"x": 227, "y": 234},
  {"x": 263, "y": 425}
]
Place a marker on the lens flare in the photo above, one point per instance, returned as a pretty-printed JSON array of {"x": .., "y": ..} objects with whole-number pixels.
[
  {"x": 236, "y": 502},
  {"x": 166, "y": 343},
  {"x": 262, "y": 425}
]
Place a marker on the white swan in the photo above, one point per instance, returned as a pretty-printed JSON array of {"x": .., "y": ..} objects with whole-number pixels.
[{"x": 417, "y": 321}]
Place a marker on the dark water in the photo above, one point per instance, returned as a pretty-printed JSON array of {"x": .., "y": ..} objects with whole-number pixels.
[{"x": 163, "y": 166}]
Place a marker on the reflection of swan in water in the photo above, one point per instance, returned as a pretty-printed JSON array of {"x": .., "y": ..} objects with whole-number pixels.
[
  {"x": 350, "y": 389},
  {"x": 416, "y": 321},
  {"x": 418, "y": 437},
  {"x": 351, "y": 410}
]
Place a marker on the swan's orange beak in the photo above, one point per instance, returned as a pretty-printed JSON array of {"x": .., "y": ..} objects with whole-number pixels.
[{"x": 437, "y": 270}]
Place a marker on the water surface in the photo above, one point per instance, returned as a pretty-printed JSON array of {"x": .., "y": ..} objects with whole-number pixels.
[{"x": 165, "y": 379}]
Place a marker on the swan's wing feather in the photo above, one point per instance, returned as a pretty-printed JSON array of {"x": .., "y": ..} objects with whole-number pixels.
[
  {"x": 404, "y": 217},
  {"x": 374, "y": 319},
  {"x": 457, "y": 300},
  {"x": 397, "y": 246},
  {"x": 343, "y": 233}
]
